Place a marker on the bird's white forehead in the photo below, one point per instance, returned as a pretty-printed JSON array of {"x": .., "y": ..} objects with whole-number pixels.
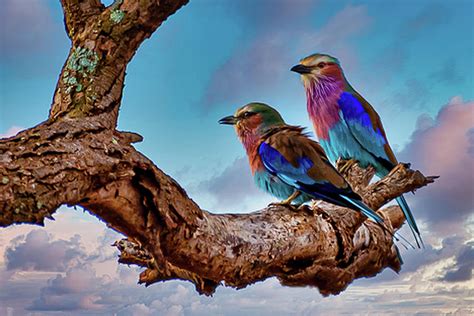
[{"x": 315, "y": 59}]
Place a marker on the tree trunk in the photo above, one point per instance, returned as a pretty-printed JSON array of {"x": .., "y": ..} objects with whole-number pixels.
[{"x": 77, "y": 157}]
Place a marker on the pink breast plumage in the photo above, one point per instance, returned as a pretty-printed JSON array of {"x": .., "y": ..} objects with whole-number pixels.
[
  {"x": 322, "y": 107},
  {"x": 251, "y": 142}
]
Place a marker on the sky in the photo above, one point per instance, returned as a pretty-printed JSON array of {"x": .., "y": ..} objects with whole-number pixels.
[{"x": 412, "y": 60}]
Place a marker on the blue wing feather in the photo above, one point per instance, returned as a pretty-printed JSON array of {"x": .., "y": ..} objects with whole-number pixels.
[
  {"x": 297, "y": 177},
  {"x": 360, "y": 125},
  {"x": 278, "y": 165}
]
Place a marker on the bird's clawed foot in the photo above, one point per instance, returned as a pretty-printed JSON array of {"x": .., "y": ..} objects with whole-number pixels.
[
  {"x": 288, "y": 201},
  {"x": 347, "y": 166}
]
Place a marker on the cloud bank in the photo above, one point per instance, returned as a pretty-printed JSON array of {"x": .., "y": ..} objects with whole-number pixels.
[
  {"x": 39, "y": 253},
  {"x": 443, "y": 146},
  {"x": 233, "y": 184}
]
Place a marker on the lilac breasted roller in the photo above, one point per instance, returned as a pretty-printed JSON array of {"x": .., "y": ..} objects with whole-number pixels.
[
  {"x": 286, "y": 163},
  {"x": 346, "y": 124}
]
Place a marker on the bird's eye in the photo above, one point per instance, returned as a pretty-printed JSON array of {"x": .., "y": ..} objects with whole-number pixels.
[
  {"x": 321, "y": 64},
  {"x": 248, "y": 114}
]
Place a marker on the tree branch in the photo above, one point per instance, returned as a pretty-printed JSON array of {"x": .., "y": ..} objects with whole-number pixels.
[
  {"x": 77, "y": 12},
  {"x": 82, "y": 163},
  {"x": 77, "y": 157},
  {"x": 92, "y": 78}
]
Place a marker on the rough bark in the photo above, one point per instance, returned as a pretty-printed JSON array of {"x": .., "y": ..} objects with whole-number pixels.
[{"x": 77, "y": 157}]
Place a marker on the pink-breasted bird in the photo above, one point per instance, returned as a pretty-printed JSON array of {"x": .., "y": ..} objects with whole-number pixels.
[
  {"x": 286, "y": 163},
  {"x": 346, "y": 124}
]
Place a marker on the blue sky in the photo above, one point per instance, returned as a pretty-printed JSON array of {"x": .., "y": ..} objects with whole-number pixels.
[{"x": 413, "y": 60}]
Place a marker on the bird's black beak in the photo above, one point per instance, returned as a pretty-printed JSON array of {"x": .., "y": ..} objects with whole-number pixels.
[
  {"x": 228, "y": 120},
  {"x": 301, "y": 69}
]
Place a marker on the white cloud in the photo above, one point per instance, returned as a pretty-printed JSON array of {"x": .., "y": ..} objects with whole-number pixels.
[
  {"x": 442, "y": 147},
  {"x": 11, "y": 131}
]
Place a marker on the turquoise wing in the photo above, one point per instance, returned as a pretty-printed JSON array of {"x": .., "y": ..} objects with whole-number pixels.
[{"x": 366, "y": 128}]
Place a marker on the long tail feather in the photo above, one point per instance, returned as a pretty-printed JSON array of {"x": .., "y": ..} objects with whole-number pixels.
[
  {"x": 399, "y": 255},
  {"x": 369, "y": 213},
  {"x": 364, "y": 209},
  {"x": 411, "y": 220}
]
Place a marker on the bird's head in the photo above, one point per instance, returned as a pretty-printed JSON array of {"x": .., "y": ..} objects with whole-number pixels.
[
  {"x": 254, "y": 118},
  {"x": 318, "y": 67}
]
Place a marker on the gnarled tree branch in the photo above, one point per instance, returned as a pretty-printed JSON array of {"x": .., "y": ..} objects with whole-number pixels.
[
  {"x": 77, "y": 157},
  {"x": 322, "y": 245}
]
